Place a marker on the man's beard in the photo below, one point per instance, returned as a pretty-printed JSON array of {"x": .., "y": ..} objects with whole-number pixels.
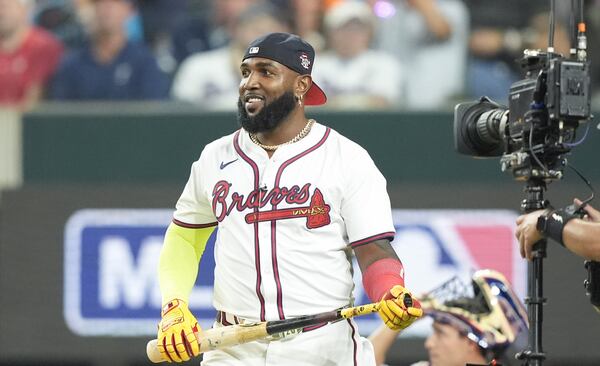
[{"x": 270, "y": 116}]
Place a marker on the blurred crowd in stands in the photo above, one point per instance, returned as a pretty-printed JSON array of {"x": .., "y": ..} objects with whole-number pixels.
[{"x": 396, "y": 54}]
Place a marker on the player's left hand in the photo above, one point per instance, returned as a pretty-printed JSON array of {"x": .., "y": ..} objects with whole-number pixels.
[{"x": 398, "y": 308}]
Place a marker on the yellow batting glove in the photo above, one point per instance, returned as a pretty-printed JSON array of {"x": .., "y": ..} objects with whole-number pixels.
[
  {"x": 177, "y": 330},
  {"x": 398, "y": 309}
]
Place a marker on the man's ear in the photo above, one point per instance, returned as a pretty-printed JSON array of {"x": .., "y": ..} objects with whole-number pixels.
[{"x": 303, "y": 83}]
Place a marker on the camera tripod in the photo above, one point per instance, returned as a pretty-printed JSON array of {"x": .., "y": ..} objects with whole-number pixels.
[{"x": 534, "y": 355}]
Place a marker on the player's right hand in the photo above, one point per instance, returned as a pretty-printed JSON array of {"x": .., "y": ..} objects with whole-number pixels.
[
  {"x": 177, "y": 330},
  {"x": 398, "y": 308}
]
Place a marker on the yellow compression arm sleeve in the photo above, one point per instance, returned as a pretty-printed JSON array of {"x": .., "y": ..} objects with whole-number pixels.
[{"x": 179, "y": 259}]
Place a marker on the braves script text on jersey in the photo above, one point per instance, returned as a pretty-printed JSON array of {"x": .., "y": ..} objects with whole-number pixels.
[{"x": 285, "y": 224}]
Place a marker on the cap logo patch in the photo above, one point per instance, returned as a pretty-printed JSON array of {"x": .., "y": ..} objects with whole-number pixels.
[
  {"x": 304, "y": 61},
  {"x": 253, "y": 50}
]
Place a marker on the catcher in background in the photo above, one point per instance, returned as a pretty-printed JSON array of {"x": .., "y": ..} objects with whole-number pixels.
[
  {"x": 292, "y": 199},
  {"x": 478, "y": 324}
]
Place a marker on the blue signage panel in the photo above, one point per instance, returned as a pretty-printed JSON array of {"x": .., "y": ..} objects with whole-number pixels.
[{"x": 111, "y": 279}]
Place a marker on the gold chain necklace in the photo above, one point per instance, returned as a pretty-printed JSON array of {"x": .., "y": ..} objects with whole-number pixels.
[{"x": 297, "y": 138}]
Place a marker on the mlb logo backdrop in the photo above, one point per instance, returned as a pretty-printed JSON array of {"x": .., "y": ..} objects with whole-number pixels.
[{"x": 111, "y": 259}]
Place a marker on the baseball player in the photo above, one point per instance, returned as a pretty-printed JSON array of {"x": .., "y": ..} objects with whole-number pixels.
[
  {"x": 477, "y": 324},
  {"x": 291, "y": 199}
]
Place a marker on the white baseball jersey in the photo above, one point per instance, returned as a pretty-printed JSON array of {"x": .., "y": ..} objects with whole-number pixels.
[{"x": 285, "y": 223}]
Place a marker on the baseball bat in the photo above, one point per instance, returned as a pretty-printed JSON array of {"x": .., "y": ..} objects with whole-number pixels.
[{"x": 232, "y": 335}]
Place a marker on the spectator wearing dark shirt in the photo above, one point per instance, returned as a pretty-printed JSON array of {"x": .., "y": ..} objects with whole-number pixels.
[
  {"x": 110, "y": 67},
  {"x": 28, "y": 56}
]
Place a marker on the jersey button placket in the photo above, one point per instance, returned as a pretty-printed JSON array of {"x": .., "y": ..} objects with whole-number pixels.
[{"x": 266, "y": 180}]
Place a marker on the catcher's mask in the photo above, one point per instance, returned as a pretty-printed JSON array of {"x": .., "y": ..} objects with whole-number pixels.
[{"x": 488, "y": 312}]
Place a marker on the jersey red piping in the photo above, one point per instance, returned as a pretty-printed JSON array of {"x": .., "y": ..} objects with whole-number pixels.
[
  {"x": 354, "y": 344},
  {"x": 254, "y": 167},
  {"x": 387, "y": 235},
  {"x": 193, "y": 226}
]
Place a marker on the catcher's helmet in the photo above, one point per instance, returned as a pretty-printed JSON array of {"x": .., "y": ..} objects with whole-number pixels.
[{"x": 488, "y": 312}]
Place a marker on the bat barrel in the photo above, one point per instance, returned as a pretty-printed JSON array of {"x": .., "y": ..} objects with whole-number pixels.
[{"x": 279, "y": 326}]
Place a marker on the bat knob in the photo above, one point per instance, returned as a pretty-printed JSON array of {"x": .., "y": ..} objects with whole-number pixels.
[
  {"x": 408, "y": 302},
  {"x": 153, "y": 353}
]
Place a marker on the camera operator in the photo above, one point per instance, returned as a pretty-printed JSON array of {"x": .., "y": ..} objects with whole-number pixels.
[{"x": 581, "y": 236}]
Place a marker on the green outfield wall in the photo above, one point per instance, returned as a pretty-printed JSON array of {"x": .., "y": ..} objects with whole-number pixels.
[{"x": 157, "y": 143}]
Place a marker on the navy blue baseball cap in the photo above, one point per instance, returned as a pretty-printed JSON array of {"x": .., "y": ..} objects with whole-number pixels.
[{"x": 293, "y": 52}]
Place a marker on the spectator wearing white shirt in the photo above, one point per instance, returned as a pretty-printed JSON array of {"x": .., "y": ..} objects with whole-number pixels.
[
  {"x": 352, "y": 75},
  {"x": 430, "y": 38}
]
